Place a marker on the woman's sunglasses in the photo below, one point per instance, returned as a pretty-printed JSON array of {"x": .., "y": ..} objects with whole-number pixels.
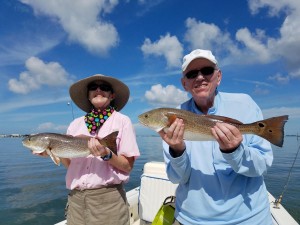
[
  {"x": 205, "y": 71},
  {"x": 102, "y": 87}
]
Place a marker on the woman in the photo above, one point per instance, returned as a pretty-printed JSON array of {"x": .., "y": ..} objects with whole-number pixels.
[{"x": 96, "y": 182}]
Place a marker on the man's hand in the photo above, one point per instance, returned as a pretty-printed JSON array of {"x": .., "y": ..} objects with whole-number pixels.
[
  {"x": 174, "y": 136},
  {"x": 228, "y": 136}
]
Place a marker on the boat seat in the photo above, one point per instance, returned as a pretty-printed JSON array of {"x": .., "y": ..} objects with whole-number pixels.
[{"x": 155, "y": 187}]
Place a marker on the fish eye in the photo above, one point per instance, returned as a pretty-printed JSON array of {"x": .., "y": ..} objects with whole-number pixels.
[{"x": 146, "y": 116}]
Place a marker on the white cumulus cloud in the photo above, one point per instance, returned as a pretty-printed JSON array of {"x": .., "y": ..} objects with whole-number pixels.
[
  {"x": 82, "y": 20},
  {"x": 253, "y": 46},
  {"x": 48, "y": 126},
  {"x": 167, "y": 46},
  {"x": 168, "y": 96},
  {"x": 39, "y": 73},
  {"x": 204, "y": 35}
]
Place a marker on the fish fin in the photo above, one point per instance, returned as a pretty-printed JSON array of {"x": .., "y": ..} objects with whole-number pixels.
[
  {"x": 272, "y": 129},
  {"x": 159, "y": 129},
  {"x": 223, "y": 119},
  {"x": 110, "y": 141},
  {"x": 168, "y": 118},
  {"x": 171, "y": 118},
  {"x": 54, "y": 158},
  {"x": 165, "y": 129}
]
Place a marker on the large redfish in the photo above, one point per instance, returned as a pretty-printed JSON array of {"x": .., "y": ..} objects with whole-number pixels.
[
  {"x": 65, "y": 146},
  {"x": 198, "y": 127}
]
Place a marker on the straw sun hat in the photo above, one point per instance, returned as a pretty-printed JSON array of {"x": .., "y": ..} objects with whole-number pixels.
[{"x": 79, "y": 92}]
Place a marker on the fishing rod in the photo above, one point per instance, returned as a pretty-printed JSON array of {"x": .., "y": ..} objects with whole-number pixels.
[{"x": 278, "y": 200}]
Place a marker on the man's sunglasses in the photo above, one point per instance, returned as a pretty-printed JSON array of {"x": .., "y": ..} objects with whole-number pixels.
[
  {"x": 205, "y": 71},
  {"x": 102, "y": 87}
]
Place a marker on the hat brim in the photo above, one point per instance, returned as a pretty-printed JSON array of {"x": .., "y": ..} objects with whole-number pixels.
[{"x": 78, "y": 92}]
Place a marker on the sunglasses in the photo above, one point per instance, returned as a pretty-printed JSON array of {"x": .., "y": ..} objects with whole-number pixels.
[
  {"x": 102, "y": 87},
  {"x": 205, "y": 71}
]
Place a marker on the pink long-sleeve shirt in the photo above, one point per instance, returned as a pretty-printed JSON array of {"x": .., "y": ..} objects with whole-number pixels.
[{"x": 92, "y": 172}]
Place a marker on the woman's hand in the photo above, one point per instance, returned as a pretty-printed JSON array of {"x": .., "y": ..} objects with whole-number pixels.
[
  {"x": 121, "y": 162},
  {"x": 96, "y": 148}
]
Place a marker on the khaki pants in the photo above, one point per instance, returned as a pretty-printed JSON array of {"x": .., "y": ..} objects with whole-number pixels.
[{"x": 106, "y": 205}]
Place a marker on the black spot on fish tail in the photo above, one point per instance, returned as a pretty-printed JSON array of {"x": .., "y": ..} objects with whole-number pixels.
[{"x": 272, "y": 129}]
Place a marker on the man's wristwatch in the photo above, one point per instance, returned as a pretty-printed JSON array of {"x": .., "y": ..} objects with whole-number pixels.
[{"x": 107, "y": 157}]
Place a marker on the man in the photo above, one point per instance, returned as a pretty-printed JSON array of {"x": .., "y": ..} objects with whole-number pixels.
[{"x": 220, "y": 182}]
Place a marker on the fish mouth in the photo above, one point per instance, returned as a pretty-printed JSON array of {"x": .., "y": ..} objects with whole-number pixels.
[
  {"x": 33, "y": 149},
  {"x": 148, "y": 125},
  {"x": 28, "y": 144},
  {"x": 144, "y": 124},
  {"x": 25, "y": 139},
  {"x": 25, "y": 143}
]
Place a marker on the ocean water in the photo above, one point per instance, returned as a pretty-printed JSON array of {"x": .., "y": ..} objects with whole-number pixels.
[{"x": 32, "y": 188}]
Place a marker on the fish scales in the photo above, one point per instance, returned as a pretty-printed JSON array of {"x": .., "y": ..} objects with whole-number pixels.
[
  {"x": 65, "y": 146},
  {"x": 198, "y": 127}
]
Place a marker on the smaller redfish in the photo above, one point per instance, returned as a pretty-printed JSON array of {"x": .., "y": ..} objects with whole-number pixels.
[{"x": 65, "y": 146}]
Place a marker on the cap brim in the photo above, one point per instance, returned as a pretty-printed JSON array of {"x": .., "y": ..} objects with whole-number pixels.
[{"x": 184, "y": 68}]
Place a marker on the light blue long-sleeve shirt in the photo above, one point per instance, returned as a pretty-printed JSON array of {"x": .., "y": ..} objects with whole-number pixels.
[{"x": 218, "y": 188}]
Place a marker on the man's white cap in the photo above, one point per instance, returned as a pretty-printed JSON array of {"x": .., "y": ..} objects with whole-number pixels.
[{"x": 196, "y": 54}]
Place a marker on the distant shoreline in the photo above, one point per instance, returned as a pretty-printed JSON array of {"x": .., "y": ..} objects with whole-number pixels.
[
  {"x": 13, "y": 135},
  {"x": 292, "y": 135}
]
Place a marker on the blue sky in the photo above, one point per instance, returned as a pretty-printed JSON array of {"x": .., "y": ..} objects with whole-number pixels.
[{"x": 47, "y": 45}]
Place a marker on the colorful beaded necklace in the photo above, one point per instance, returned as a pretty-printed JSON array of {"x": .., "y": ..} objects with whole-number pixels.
[{"x": 95, "y": 119}]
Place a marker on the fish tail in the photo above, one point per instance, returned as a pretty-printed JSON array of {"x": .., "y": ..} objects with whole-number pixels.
[
  {"x": 272, "y": 129},
  {"x": 110, "y": 141}
]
